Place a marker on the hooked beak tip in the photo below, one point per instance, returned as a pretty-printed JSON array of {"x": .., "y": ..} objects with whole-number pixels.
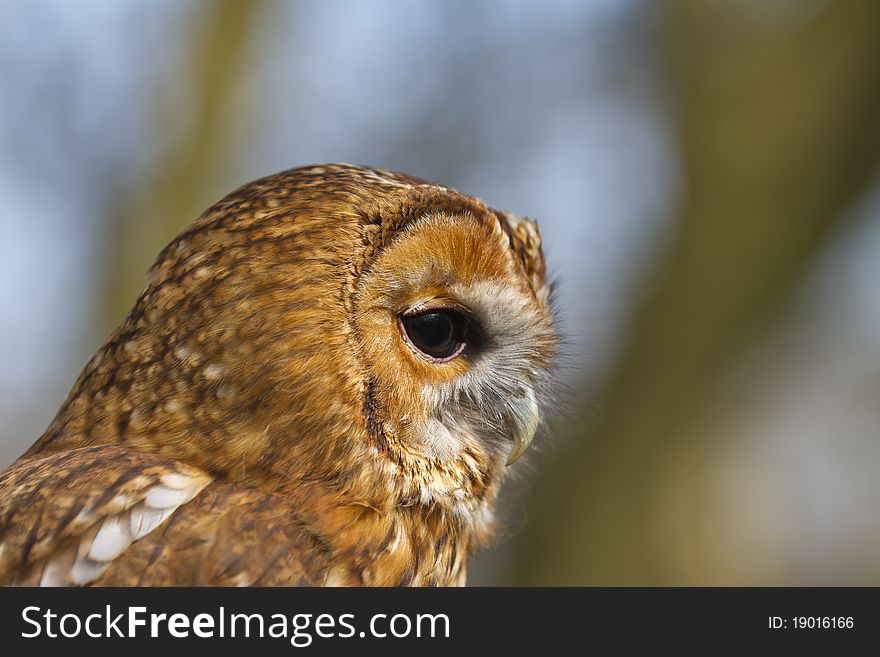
[{"x": 525, "y": 424}]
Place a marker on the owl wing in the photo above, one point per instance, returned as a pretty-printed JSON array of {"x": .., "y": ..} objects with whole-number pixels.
[{"x": 112, "y": 516}]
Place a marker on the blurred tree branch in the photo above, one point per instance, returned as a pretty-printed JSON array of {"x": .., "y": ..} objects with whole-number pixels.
[
  {"x": 779, "y": 136},
  {"x": 181, "y": 178}
]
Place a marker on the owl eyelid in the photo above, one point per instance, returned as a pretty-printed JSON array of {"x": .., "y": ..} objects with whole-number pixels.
[{"x": 437, "y": 305}]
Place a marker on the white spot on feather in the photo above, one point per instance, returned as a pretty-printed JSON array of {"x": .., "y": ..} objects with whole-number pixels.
[
  {"x": 337, "y": 576},
  {"x": 83, "y": 517},
  {"x": 86, "y": 570},
  {"x": 163, "y": 497},
  {"x": 176, "y": 480},
  {"x": 57, "y": 569},
  {"x": 183, "y": 353},
  {"x": 143, "y": 520},
  {"x": 111, "y": 540},
  {"x": 213, "y": 371},
  {"x": 376, "y": 176},
  {"x": 398, "y": 536}
]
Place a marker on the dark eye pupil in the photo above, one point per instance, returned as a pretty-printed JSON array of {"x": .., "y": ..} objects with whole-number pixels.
[
  {"x": 439, "y": 335},
  {"x": 432, "y": 329}
]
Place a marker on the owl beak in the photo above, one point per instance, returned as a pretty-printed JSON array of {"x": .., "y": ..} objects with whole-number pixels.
[{"x": 525, "y": 418}]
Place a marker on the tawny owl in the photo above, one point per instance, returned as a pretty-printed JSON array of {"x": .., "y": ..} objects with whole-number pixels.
[{"x": 322, "y": 383}]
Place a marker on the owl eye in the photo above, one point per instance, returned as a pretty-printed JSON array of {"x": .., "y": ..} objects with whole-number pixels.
[{"x": 438, "y": 335}]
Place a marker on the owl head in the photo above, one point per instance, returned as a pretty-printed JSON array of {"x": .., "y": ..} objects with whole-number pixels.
[
  {"x": 454, "y": 323},
  {"x": 385, "y": 338}
]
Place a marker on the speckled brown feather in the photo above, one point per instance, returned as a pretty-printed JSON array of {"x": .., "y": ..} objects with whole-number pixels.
[{"x": 250, "y": 358}]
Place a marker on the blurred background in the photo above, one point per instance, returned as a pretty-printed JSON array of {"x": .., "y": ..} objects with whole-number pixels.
[{"x": 704, "y": 173}]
